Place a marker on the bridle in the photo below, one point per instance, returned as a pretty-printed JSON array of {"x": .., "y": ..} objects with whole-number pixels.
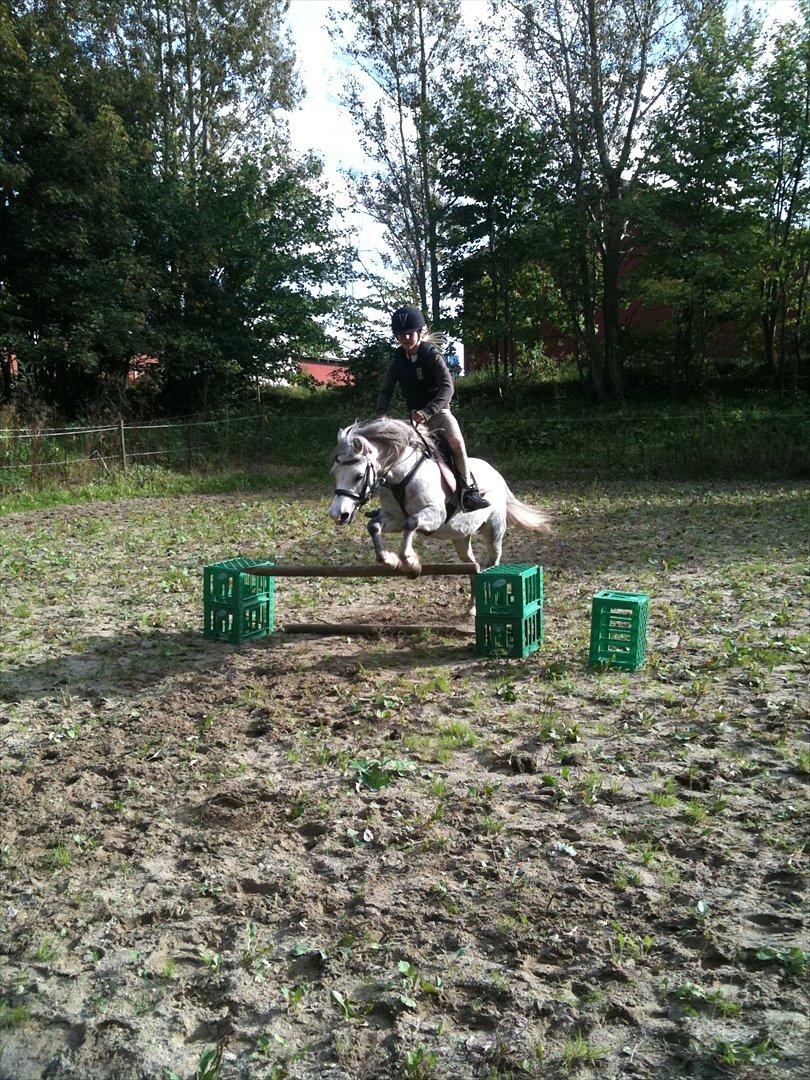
[
  {"x": 372, "y": 479},
  {"x": 367, "y": 486}
]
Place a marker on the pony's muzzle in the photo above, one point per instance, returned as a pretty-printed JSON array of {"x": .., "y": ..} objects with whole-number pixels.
[{"x": 341, "y": 511}]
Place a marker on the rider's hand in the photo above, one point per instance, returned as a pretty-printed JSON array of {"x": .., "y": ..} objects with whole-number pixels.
[{"x": 418, "y": 417}]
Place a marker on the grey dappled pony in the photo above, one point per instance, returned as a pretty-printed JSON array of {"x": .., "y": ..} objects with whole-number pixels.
[{"x": 387, "y": 458}]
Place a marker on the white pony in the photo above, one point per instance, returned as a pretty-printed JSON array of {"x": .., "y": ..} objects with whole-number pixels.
[{"x": 391, "y": 458}]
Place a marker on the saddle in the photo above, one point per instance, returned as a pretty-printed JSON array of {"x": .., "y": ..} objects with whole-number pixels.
[{"x": 443, "y": 456}]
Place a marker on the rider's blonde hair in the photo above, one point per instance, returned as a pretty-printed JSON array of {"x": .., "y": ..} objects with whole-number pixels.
[{"x": 435, "y": 337}]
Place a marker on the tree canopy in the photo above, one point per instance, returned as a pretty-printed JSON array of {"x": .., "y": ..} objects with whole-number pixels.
[{"x": 543, "y": 179}]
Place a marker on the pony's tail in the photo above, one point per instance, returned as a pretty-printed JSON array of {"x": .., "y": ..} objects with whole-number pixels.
[{"x": 525, "y": 516}]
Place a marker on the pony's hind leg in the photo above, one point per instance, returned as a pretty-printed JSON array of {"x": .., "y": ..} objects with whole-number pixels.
[
  {"x": 494, "y": 531},
  {"x": 464, "y": 550}
]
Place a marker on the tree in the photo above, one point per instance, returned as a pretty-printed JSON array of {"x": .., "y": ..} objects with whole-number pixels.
[
  {"x": 781, "y": 160},
  {"x": 596, "y": 71},
  {"x": 495, "y": 184},
  {"x": 148, "y": 203},
  {"x": 697, "y": 222},
  {"x": 406, "y": 49},
  {"x": 74, "y": 296}
]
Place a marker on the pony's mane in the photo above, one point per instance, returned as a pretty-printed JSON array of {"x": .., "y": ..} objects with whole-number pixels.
[{"x": 391, "y": 437}]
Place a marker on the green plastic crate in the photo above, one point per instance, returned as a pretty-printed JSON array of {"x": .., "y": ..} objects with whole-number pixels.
[
  {"x": 237, "y": 605},
  {"x": 502, "y": 635},
  {"x": 508, "y": 590},
  {"x": 239, "y": 622},
  {"x": 230, "y": 582},
  {"x": 618, "y": 630}
]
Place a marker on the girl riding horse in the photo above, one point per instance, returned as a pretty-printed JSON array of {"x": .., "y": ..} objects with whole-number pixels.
[{"x": 427, "y": 386}]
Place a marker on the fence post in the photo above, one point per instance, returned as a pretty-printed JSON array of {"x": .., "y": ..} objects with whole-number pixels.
[{"x": 123, "y": 443}]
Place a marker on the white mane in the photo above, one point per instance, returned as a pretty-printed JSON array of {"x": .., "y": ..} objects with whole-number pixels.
[{"x": 391, "y": 437}]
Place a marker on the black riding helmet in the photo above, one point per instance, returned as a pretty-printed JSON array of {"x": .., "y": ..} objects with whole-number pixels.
[{"x": 406, "y": 319}]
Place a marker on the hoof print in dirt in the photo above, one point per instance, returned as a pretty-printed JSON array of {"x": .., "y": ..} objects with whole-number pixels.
[{"x": 523, "y": 763}]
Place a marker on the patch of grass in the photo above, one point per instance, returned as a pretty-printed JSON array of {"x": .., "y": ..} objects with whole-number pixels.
[
  {"x": 579, "y": 1051},
  {"x": 492, "y": 825},
  {"x": 148, "y": 481},
  {"x": 626, "y": 946},
  {"x": 456, "y": 734},
  {"x": 551, "y": 728},
  {"x": 12, "y": 1013},
  {"x": 694, "y": 812},
  {"x": 665, "y": 796},
  {"x": 46, "y": 951},
  {"x": 60, "y": 858}
]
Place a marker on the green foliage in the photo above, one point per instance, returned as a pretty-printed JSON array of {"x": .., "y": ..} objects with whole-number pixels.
[
  {"x": 734, "y": 1055},
  {"x": 367, "y": 366},
  {"x": 495, "y": 236},
  {"x": 378, "y": 774},
  {"x": 794, "y": 960},
  {"x": 696, "y": 221},
  {"x": 138, "y": 216}
]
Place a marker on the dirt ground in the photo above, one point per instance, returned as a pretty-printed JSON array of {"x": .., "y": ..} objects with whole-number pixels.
[{"x": 344, "y": 858}]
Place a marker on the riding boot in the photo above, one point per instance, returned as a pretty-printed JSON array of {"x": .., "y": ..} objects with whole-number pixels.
[{"x": 471, "y": 498}]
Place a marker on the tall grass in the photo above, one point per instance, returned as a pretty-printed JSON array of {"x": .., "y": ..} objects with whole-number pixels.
[{"x": 290, "y": 445}]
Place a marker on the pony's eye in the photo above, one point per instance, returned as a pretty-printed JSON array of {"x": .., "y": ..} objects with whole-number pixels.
[{"x": 358, "y": 476}]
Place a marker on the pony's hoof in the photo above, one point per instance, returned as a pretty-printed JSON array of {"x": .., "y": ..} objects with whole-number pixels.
[
  {"x": 413, "y": 567},
  {"x": 388, "y": 558}
]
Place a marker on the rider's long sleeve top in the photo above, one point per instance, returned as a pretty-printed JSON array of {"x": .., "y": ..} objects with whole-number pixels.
[{"x": 424, "y": 378}]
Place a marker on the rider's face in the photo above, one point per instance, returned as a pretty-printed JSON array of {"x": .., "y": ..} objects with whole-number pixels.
[{"x": 409, "y": 341}]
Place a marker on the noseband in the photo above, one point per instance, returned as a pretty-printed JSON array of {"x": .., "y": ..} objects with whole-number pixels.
[{"x": 367, "y": 486}]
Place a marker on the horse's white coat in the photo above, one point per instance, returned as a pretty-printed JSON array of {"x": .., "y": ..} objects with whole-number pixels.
[{"x": 385, "y": 450}]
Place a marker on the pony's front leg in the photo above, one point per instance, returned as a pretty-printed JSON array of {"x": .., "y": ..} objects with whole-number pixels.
[
  {"x": 376, "y": 526},
  {"x": 426, "y": 520}
]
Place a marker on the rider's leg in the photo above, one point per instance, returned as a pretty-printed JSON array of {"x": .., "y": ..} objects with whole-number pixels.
[{"x": 446, "y": 423}]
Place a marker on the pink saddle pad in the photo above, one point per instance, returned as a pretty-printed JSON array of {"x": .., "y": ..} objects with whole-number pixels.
[{"x": 448, "y": 480}]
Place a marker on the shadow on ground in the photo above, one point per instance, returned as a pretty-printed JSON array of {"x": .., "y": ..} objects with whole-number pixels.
[{"x": 122, "y": 666}]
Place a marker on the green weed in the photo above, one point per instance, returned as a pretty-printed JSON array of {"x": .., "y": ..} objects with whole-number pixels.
[{"x": 578, "y": 1051}]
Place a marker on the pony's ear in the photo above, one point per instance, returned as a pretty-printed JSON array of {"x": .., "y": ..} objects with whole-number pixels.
[{"x": 362, "y": 446}]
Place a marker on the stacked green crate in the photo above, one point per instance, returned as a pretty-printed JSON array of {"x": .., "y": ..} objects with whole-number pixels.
[
  {"x": 237, "y": 605},
  {"x": 509, "y": 610},
  {"x": 618, "y": 629}
]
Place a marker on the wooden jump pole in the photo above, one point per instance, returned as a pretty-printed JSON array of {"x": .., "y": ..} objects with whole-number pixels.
[
  {"x": 372, "y": 629},
  {"x": 363, "y": 571}
]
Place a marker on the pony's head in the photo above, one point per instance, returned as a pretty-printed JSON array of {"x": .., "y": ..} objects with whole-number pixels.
[{"x": 354, "y": 467}]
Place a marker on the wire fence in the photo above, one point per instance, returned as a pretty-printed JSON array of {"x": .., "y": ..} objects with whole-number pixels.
[{"x": 723, "y": 441}]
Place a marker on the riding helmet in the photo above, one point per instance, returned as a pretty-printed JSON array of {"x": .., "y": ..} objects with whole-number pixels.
[{"x": 406, "y": 319}]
